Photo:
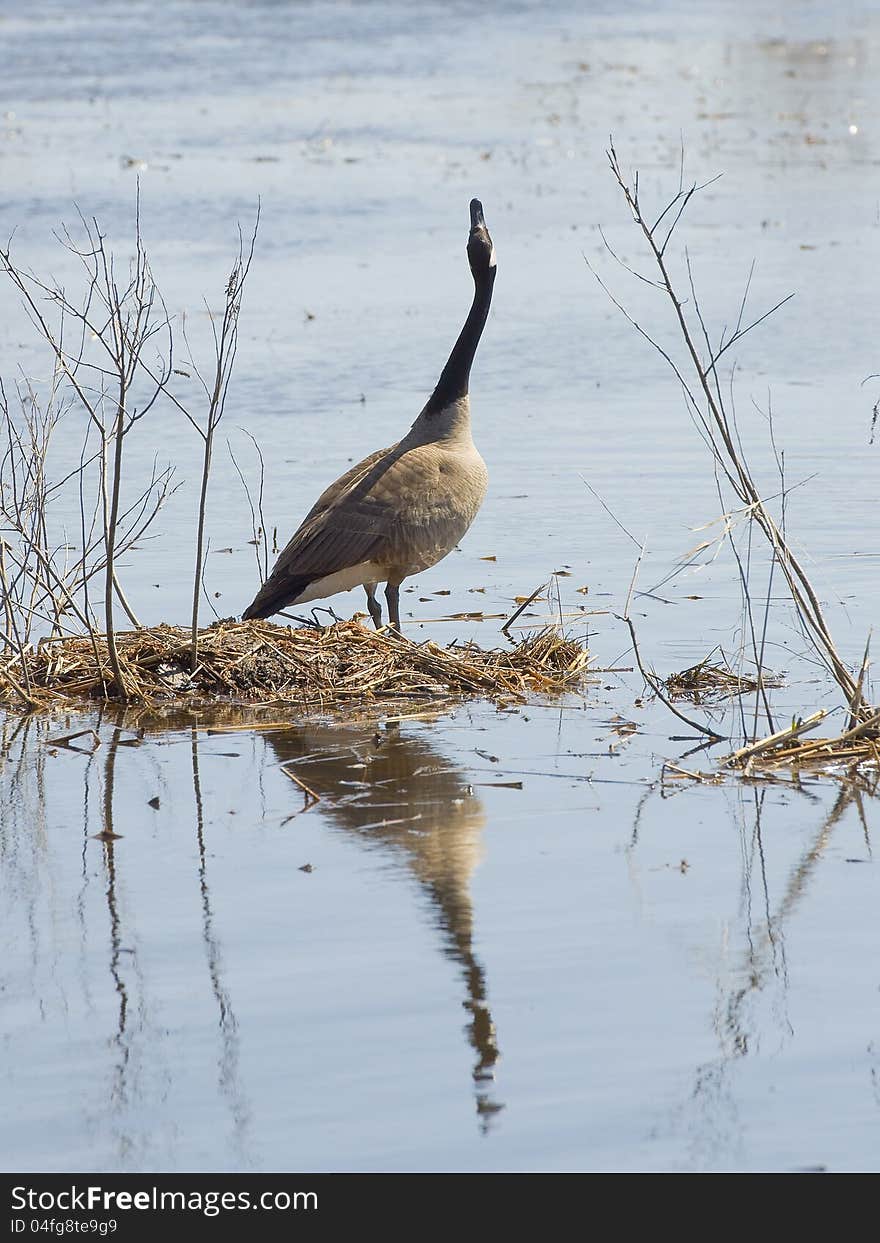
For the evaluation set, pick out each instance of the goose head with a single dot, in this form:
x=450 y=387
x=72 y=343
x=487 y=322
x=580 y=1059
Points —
x=481 y=252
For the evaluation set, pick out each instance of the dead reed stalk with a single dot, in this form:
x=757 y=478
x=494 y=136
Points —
x=225 y=347
x=700 y=380
x=99 y=343
x=112 y=344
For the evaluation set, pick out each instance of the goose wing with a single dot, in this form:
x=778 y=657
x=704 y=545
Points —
x=344 y=485
x=349 y=523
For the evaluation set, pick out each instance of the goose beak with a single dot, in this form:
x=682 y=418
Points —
x=477 y=221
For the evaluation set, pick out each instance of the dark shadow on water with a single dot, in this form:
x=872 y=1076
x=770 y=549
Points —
x=395 y=791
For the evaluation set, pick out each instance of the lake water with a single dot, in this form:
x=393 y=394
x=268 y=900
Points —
x=500 y=940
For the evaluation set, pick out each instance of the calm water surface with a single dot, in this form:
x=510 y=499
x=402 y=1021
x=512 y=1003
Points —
x=499 y=940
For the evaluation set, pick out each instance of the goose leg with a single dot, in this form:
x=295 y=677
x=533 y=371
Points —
x=392 y=595
x=373 y=605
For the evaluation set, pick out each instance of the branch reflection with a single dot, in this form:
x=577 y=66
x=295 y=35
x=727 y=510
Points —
x=229 y=1076
x=758 y=972
x=118 y=728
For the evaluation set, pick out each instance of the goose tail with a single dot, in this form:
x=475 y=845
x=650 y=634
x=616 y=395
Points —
x=273 y=597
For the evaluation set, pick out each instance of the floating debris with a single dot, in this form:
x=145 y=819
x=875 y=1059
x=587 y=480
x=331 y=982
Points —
x=855 y=748
x=69 y=740
x=707 y=683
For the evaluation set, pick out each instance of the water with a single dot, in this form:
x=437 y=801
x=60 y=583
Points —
x=606 y=968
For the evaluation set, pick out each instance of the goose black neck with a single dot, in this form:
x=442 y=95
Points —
x=453 y=382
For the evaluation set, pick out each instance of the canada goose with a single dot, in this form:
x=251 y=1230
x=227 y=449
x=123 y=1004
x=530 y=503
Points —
x=402 y=509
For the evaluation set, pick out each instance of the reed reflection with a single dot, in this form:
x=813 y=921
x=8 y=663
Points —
x=105 y=779
x=762 y=960
x=228 y=1066
x=108 y=837
x=393 y=788
x=751 y=997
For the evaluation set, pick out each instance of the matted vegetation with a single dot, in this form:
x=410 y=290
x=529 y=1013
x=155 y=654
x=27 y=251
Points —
x=710 y=683
x=257 y=661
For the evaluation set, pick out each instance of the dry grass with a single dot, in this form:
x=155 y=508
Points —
x=259 y=662
x=853 y=749
x=705 y=683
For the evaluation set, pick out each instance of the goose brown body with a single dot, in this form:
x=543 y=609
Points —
x=402 y=509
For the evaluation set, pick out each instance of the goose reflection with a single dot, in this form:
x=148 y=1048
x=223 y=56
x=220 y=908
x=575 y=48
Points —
x=394 y=788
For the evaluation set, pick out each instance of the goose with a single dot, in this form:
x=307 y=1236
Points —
x=400 y=510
